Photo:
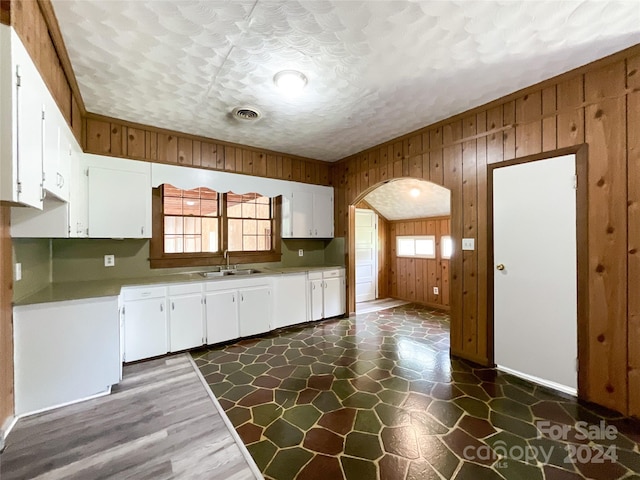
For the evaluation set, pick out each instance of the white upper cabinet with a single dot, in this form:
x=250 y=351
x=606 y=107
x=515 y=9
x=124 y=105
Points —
x=22 y=94
x=119 y=197
x=308 y=213
x=56 y=152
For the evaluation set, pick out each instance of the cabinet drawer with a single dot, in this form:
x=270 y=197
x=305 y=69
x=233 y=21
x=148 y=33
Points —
x=185 y=288
x=331 y=273
x=314 y=275
x=142 y=293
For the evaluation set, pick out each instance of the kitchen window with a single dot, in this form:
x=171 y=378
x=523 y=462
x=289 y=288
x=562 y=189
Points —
x=422 y=246
x=194 y=227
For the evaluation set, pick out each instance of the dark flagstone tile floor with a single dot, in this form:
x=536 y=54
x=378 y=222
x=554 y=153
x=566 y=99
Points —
x=376 y=396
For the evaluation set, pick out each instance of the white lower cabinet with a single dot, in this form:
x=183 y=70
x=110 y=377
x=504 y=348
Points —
x=65 y=352
x=254 y=310
x=327 y=294
x=221 y=316
x=186 y=322
x=289 y=300
x=144 y=323
x=316 y=310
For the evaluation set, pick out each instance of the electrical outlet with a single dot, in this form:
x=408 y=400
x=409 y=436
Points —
x=109 y=260
x=468 y=244
x=300 y=252
x=18 y=271
x=436 y=291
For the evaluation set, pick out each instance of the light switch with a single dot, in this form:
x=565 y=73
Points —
x=468 y=244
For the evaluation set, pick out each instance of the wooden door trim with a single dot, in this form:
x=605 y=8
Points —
x=582 y=254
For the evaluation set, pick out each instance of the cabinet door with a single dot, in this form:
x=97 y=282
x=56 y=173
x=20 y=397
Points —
x=316 y=311
x=119 y=203
x=302 y=214
x=29 y=124
x=51 y=148
x=221 y=316
x=145 y=329
x=254 y=310
x=290 y=300
x=78 y=196
x=186 y=326
x=323 y=215
x=333 y=297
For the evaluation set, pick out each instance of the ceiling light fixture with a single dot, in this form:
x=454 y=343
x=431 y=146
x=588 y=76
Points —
x=290 y=81
x=414 y=192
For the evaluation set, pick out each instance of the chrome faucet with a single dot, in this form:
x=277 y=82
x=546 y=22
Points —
x=226 y=255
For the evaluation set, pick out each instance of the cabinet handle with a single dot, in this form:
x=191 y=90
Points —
x=313 y=286
x=233 y=299
x=316 y=232
x=173 y=306
x=141 y=230
x=161 y=308
x=241 y=298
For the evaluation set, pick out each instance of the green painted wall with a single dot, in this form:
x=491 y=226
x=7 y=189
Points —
x=335 y=252
x=35 y=256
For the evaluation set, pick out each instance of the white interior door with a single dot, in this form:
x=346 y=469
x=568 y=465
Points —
x=535 y=276
x=366 y=255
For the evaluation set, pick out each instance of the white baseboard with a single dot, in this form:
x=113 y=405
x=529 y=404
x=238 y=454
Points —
x=72 y=402
x=540 y=381
x=6 y=429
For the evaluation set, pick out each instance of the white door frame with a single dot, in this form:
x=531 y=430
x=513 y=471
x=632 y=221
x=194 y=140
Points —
x=582 y=249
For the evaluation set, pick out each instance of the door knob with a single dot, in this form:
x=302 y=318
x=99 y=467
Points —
x=500 y=266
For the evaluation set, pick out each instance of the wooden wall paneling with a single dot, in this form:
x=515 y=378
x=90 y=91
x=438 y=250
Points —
x=452 y=159
x=549 y=120
x=402 y=266
x=411 y=265
x=608 y=334
x=151 y=146
x=259 y=164
x=136 y=147
x=432 y=267
x=312 y=172
x=445 y=273
x=397 y=159
x=393 y=273
x=167 y=148
x=495 y=144
x=6 y=326
x=287 y=169
x=324 y=174
x=529 y=124
x=229 y=159
x=196 y=158
x=208 y=157
x=509 y=134
x=98 y=137
x=118 y=140
x=436 y=167
x=296 y=173
x=279 y=159
x=571 y=112
x=415 y=156
x=386 y=154
x=363 y=168
x=5 y=12
x=272 y=166
x=469 y=257
x=219 y=155
x=374 y=166
x=483 y=347
x=247 y=162
x=426 y=167
x=383 y=258
x=633 y=242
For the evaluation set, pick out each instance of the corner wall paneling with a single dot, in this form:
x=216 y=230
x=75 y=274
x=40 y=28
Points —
x=6 y=323
x=413 y=279
x=118 y=138
x=598 y=104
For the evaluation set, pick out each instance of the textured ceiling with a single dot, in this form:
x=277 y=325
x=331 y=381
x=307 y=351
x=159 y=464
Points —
x=393 y=200
x=376 y=69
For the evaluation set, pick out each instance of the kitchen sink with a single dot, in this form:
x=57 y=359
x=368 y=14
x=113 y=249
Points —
x=219 y=273
x=248 y=271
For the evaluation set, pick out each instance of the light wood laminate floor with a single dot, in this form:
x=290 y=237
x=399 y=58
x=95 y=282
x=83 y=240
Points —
x=159 y=423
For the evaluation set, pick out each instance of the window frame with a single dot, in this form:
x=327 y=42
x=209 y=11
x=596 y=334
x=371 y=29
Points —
x=415 y=238
x=159 y=259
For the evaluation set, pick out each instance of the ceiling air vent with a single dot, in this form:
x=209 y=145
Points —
x=246 y=113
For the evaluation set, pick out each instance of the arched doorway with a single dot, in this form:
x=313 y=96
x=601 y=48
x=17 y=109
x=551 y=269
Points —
x=413 y=239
